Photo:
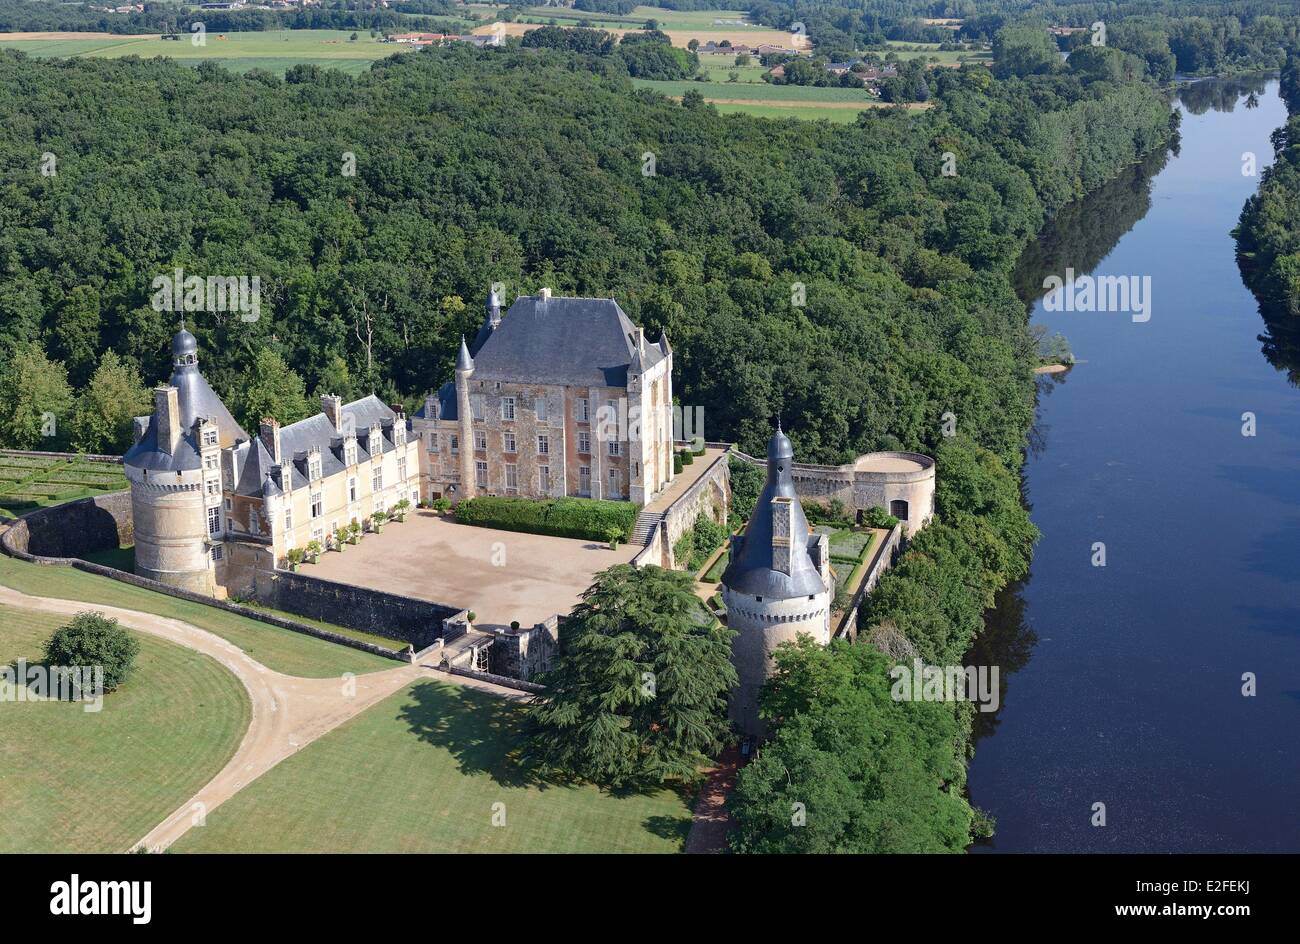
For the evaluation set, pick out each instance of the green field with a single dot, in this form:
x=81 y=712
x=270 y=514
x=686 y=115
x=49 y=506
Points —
x=78 y=781
x=274 y=50
x=422 y=771
x=31 y=482
x=280 y=649
x=762 y=92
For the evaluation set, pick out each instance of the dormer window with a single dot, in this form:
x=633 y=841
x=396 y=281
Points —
x=313 y=466
x=399 y=433
x=350 y=452
x=373 y=446
x=209 y=436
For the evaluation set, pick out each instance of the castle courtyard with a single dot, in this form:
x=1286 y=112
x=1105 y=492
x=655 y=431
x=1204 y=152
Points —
x=500 y=575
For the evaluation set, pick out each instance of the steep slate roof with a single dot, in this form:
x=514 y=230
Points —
x=194 y=399
x=583 y=342
x=750 y=570
x=253 y=461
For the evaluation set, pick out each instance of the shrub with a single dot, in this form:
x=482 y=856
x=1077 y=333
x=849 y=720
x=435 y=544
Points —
x=587 y=518
x=677 y=463
x=294 y=556
x=707 y=536
x=94 y=639
x=877 y=517
x=441 y=505
x=746 y=486
x=688 y=458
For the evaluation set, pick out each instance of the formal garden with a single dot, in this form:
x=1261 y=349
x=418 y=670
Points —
x=29 y=482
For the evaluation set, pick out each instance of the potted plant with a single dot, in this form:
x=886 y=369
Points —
x=614 y=535
x=340 y=538
x=441 y=505
x=354 y=531
x=294 y=556
x=470 y=617
x=401 y=509
x=313 y=551
x=378 y=520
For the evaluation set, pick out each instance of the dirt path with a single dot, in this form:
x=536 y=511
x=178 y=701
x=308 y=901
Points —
x=288 y=712
x=712 y=822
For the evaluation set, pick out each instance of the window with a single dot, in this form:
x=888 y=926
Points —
x=539 y=405
x=512 y=477
x=455 y=444
x=508 y=442
x=615 y=447
x=401 y=468
x=214 y=520
x=613 y=483
x=209 y=437
x=507 y=408
x=216 y=553
x=288 y=520
x=317 y=535
x=316 y=503
x=584 y=443
x=377 y=478
x=543 y=445
x=352 y=489
x=480 y=439
x=350 y=452
x=399 y=433
x=210 y=461
x=227 y=506
x=313 y=466
x=584 y=410
x=476 y=407
x=480 y=474
x=433 y=442
x=213 y=486
x=375 y=444
x=636 y=470
x=584 y=480
x=544 y=473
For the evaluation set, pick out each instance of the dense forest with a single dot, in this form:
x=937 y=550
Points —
x=1268 y=235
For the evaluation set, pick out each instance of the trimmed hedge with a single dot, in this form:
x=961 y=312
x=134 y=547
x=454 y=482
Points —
x=587 y=518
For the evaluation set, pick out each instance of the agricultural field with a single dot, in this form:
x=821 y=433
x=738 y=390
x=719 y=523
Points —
x=681 y=26
x=274 y=50
x=31 y=482
x=764 y=100
x=928 y=51
x=430 y=769
x=79 y=781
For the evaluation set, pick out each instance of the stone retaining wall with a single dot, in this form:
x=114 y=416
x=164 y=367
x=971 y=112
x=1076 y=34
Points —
x=99 y=523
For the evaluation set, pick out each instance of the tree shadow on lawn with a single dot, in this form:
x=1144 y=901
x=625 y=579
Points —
x=489 y=735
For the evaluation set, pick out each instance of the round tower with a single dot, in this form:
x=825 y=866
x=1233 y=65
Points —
x=174 y=472
x=777 y=585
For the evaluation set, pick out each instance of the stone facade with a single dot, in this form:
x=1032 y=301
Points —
x=902 y=483
x=545 y=426
x=213 y=508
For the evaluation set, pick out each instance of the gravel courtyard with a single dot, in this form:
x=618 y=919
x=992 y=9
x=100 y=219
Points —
x=500 y=575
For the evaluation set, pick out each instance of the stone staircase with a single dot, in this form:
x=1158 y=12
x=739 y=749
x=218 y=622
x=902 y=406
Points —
x=645 y=524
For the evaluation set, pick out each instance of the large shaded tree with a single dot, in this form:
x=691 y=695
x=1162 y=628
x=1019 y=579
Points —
x=638 y=691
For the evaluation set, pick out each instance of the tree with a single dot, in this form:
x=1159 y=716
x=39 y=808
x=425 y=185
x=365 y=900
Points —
x=35 y=400
x=76 y=333
x=846 y=767
x=1024 y=50
x=638 y=691
x=746 y=484
x=104 y=411
x=92 y=639
x=272 y=389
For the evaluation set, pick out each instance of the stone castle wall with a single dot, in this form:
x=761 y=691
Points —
x=98 y=523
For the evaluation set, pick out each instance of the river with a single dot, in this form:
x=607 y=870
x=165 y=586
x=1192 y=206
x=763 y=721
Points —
x=1122 y=684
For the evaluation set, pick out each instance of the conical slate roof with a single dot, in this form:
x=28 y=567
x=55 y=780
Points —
x=751 y=569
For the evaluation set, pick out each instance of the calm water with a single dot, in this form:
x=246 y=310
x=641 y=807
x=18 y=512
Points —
x=1122 y=684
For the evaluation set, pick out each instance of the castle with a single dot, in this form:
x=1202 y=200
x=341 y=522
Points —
x=560 y=396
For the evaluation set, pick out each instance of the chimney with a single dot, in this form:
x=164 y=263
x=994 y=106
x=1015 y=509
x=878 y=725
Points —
x=332 y=407
x=494 y=308
x=269 y=432
x=544 y=294
x=167 y=410
x=781 y=507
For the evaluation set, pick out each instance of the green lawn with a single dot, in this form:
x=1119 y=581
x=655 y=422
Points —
x=78 y=781
x=761 y=91
x=422 y=772
x=280 y=649
x=804 y=112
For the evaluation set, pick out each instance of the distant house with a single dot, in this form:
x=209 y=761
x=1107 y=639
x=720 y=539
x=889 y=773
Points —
x=418 y=39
